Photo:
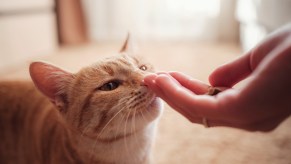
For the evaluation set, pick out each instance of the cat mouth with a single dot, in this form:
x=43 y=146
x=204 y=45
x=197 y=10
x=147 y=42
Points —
x=155 y=103
x=154 y=106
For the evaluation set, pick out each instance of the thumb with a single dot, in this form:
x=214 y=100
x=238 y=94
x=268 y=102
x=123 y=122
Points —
x=231 y=73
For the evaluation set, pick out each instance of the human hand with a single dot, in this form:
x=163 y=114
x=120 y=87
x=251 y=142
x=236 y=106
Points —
x=262 y=104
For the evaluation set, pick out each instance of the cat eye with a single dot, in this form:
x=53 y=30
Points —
x=110 y=86
x=143 y=67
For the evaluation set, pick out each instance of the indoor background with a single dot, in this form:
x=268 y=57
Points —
x=192 y=36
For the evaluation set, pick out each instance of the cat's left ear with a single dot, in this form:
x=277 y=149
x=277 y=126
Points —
x=129 y=47
x=51 y=81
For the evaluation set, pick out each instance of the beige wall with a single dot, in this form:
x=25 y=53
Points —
x=211 y=20
x=26 y=30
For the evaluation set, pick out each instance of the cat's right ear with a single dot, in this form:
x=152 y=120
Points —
x=50 y=80
x=129 y=46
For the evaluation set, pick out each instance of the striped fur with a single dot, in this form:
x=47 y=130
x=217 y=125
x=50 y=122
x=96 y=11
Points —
x=85 y=124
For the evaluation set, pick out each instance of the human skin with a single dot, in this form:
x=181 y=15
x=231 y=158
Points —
x=260 y=105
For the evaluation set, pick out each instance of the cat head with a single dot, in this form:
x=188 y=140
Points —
x=104 y=99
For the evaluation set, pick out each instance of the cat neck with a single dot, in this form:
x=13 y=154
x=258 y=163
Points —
x=129 y=149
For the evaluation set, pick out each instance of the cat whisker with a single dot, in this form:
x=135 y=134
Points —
x=108 y=123
x=134 y=123
x=119 y=126
x=117 y=131
x=143 y=116
x=132 y=120
x=104 y=129
x=125 y=129
x=149 y=114
x=123 y=108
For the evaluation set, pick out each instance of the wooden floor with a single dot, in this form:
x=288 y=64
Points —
x=179 y=141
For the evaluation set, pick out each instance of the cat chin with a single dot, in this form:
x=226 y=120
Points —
x=151 y=113
x=156 y=104
x=155 y=107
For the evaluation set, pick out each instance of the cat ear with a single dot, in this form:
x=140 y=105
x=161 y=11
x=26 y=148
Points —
x=128 y=46
x=50 y=80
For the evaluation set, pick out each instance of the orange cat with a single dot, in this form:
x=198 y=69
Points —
x=102 y=114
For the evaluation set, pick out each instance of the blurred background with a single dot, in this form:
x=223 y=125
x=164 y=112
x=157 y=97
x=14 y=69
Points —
x=192 y=36
x=38 y=27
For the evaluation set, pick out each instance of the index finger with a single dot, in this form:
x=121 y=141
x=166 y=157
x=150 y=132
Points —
x=184 y=99
x=196 y=86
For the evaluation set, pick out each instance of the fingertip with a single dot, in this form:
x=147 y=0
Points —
x=164 y=80
x=149 y=78
x=151 y=75
x=150 y=82
x=175 y=73
x=221 y=76
x=161 y=78
x=212 y=78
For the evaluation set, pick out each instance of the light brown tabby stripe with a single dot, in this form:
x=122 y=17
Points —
x=85 y=107
x=123 y=62
x=32 y=127
x=108 y=69
x=103 y=114
x=114 y=139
